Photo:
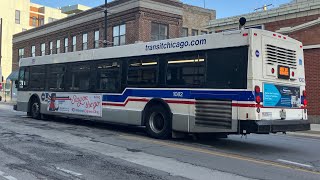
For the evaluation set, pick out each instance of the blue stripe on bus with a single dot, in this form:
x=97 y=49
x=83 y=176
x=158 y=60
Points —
x=187 y=94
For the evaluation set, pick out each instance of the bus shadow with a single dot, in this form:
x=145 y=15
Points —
x=231 y=144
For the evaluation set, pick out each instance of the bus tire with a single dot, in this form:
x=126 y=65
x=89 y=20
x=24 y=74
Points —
x=35 y=108
x=158 y=122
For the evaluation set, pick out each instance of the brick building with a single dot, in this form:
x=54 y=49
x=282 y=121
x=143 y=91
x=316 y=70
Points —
x=129 y=21
x=299 y=19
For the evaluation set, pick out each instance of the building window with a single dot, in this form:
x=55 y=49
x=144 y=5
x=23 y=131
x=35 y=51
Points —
x=74 y=43
x=34 y=21
x=96 y=39
x=51 y=47
x=17 y=17
x=119 y=35
x=85 y=41
x=185 y=32
x=66 y=44
x=194 y=32
x=58 y=46
x=21 y=53
x=50 y=19
x=159 y=31
x=33 y=51
x=43 y=49
x=204 y=32
x=41 y=21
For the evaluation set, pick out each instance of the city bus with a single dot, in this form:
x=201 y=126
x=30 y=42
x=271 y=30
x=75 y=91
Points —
x=238 y=82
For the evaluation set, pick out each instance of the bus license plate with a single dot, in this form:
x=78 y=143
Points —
x=283 y=114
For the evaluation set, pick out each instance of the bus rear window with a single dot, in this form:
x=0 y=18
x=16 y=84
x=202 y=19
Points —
x=227 y=68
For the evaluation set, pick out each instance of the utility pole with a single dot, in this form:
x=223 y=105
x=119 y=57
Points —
x=106 y=24
x=1 y=77
x=0 y=43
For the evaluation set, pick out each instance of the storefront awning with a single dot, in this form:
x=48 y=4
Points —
x=13 y=76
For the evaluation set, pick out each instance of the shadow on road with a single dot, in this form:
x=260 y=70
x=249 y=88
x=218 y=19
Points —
x=233 y=144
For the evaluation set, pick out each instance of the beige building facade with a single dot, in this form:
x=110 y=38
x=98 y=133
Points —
x=18 y=16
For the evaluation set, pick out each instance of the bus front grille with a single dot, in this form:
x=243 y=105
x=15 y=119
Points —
x=214 y=113
x=281 y=56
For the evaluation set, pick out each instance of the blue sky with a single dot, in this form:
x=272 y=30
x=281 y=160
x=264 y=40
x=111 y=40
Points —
x=225 y=8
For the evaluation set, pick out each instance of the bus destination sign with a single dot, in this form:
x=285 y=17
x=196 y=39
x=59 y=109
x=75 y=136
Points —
x=283 y=72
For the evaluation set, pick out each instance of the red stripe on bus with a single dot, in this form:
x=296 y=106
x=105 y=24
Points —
x=260 y=106
x=146 y=100
x=180 y=102
x=190 y=103
x=126 y=102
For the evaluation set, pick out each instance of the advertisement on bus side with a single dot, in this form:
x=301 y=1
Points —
x=79 y=104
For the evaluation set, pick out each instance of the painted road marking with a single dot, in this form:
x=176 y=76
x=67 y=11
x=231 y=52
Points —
x=69 y=172
x=2 y=174
x=221 y=154
x=295 y=163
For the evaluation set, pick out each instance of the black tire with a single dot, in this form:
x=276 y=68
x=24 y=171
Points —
x=35 y=109
x=158 y=122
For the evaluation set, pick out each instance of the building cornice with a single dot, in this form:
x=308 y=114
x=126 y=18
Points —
x=97 y=13
x=317 y=46
x=282 y=13
x=287 y=30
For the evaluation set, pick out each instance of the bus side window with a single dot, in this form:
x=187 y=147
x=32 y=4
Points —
x=37 y=77
x=55 y=77
x=186 y=71
x=109 y=79
x=143 y=72
x=227 y=68
x=79 y=77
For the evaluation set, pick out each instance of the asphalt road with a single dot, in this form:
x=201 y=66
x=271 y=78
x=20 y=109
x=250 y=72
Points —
x=77 y=149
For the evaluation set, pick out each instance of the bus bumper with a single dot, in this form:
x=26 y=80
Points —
x=273 y=126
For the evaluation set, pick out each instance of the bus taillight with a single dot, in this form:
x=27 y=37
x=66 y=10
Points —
x=272 y=71
x=258 y=99
x=257 y=91
x=304 y=93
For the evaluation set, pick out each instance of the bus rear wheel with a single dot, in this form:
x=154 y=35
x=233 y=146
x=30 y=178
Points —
x=35 y=109
x=158 y=122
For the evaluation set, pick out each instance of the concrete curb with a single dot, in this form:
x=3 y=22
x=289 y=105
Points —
x=7 y=103
x=303 y=134
x=315 y=127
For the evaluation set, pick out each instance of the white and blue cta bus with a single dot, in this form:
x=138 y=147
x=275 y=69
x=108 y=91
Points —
x=240 y=82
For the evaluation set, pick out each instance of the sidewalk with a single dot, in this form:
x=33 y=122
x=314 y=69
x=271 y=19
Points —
x=8 y=103
x=314 y=132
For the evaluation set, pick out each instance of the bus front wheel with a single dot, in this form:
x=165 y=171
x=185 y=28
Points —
x=35 y=109
x=158 y=122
